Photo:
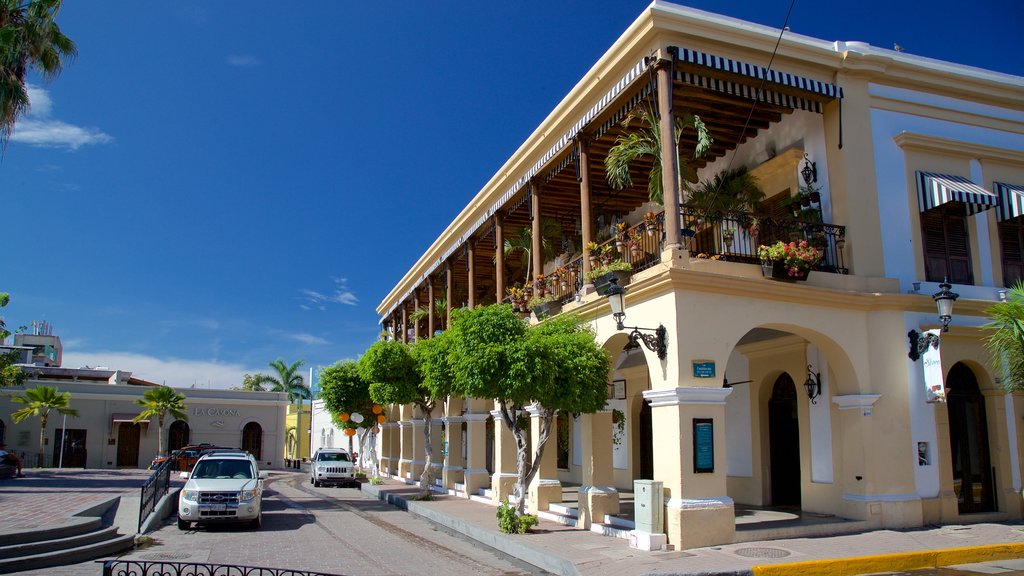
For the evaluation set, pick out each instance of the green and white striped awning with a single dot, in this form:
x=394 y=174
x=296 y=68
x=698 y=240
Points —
x=1011 y=201
x=935 y=189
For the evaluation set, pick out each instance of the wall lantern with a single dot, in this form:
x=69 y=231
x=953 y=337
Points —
x=813 y=384
x=809 y=171
x=655 y=342
x=944 y=300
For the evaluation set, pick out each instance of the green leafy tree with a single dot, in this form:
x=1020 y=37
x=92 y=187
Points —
x=249 y=383
x=29 y=39
x=5 y=299
x=644 y=142
x=10 y=376
x=287 y=380
x=557 y=365
x=157 y=403
x=409 y=374
x=343 y=390
x=39 y=401
x=1006 y=339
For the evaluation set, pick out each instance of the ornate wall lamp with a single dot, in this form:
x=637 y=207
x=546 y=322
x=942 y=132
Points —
x=809 y=171
x=813 y=384
x=944 y=300
x=655 y=342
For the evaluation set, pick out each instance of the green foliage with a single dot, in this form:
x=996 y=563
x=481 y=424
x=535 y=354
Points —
x=11 y=377
x=390 y=369
x=288 y=380
x=5 y=298
x=510 y=524
x=619 y=420
x=432 y=356
x=522 y=243
x=376 y=480
x=486 y=354
x=156 y=403
x=343 y=390
x=729 y=192
x=249 y=383
x=1005 y=341
x=39 y=401
x=30 y=39
x=617 y=265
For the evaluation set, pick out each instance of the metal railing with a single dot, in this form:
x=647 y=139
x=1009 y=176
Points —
x=147 y=568
x=154 y=488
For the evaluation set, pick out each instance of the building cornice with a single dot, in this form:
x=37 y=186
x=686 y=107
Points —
x=935 y=144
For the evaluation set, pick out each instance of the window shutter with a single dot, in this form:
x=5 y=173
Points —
x=1011 y=244
x=947 y=254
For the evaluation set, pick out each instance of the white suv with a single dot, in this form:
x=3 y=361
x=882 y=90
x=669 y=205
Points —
x=331 y=466
x=223 y=487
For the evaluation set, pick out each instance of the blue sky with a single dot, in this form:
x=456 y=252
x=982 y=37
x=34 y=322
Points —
x=213 y=185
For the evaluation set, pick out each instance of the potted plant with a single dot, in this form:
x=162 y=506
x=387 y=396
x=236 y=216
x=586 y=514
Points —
x=620 y=236
x=601 y=276
x=518 y=297
x=791 y=262
x=592 y=253
x=561 y=275
x=633 y=242
x=545 y=306
x=651 y=223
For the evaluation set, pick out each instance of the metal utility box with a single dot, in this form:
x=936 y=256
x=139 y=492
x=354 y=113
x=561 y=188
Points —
x=649 y=496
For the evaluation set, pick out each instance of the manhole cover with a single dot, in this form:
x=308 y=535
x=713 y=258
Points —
x=761 y=552
x=167 y=556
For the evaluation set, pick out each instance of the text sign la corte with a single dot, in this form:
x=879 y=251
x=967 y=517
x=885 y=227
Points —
x=215 y=411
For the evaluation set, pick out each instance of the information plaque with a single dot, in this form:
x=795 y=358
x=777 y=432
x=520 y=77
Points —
x=703 y=445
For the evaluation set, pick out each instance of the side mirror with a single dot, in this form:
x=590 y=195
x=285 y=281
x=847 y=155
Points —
x=183 y=475
x=264 y=475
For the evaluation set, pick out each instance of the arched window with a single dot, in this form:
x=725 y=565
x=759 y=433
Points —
x=178 y=435
x=252 y=440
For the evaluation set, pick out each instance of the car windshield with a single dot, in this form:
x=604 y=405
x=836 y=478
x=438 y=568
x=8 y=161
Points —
x=332 y=457
x=223 y=469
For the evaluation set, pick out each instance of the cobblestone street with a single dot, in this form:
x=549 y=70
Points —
x=334 y=530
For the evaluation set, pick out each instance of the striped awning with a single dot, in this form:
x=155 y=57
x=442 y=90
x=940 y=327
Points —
x=1011 y=201
x=761 y=84
x=934 y=190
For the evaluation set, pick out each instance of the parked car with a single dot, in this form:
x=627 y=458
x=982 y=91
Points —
x=332 y=466
x=223 y=487
x=184 y=458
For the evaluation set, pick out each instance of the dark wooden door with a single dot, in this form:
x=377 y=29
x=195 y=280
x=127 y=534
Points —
x=968 y=442
x=646 y=434
x=784 y=443
x=128 y=444
x=74 y=452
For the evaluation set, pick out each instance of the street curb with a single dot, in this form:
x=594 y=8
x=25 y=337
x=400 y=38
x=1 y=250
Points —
x=167 y=505
x=893 y=562
x=491 y=538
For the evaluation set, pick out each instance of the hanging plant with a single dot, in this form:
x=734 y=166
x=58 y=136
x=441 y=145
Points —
x=619 y=432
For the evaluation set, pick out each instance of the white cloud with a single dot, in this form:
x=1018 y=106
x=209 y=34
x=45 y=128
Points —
x=307 y=339
x=243 y=61
x=340 y=295
x=177 y=372
x=37 y=128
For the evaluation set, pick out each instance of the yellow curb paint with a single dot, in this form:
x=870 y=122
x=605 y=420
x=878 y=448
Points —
x=893 y=562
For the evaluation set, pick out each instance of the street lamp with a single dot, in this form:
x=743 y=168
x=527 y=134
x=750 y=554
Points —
x=655 y=342
x=810 y=171
x=944 y=300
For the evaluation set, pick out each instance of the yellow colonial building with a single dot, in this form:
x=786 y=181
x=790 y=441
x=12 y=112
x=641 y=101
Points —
x=774 y=388
x=296 y=436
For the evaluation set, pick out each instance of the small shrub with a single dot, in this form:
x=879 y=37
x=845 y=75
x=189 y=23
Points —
x=376 y=480
x=509 y=524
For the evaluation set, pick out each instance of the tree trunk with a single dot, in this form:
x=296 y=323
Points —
x=428 y=452
x=375 y=466
x=42 y=437
x=298 y=433
x=526 y=471
x=160 y=435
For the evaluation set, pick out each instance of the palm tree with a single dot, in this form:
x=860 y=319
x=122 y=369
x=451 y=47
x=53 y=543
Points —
x=728 y=193
x=29 y=39
x=290 y=381
x=39 y=401
x=550 y=236
x=1006 y=341
x=157 y=402
x=290 y=436
x=645 y=141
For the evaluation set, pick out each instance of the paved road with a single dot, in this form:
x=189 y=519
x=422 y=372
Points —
x=335 y=530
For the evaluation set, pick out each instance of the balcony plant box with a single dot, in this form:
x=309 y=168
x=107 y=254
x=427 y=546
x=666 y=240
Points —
x=789 y=262
x=547 y=309
x=776 y=270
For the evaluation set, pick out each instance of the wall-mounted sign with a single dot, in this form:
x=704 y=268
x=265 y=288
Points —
x=703 y=445
x=215 y=412
x=703 y=369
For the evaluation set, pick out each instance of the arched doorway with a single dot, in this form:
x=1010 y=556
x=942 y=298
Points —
x=128 y=444
x=646 y=439
x=784 y=443
x=252 y=440
x=178 y=435
x=968 y=442
x=489 y=445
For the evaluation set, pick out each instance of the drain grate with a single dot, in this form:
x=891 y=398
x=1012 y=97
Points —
x=167 y=556
x=761 y=552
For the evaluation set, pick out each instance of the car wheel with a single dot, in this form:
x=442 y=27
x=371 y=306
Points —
x=183 y=524
x=257 y=522
x=316 y=484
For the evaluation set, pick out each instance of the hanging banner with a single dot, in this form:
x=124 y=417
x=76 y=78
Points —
x=935 y=388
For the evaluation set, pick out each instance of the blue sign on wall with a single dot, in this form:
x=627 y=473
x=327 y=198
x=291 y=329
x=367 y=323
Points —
x=703 y=369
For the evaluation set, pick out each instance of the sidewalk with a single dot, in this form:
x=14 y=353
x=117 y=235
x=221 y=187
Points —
x=571 y=551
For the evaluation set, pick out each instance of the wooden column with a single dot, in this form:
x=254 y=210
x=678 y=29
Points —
x=585 y=217
x=499 y=260
x=669 y=156
x=405 y=322
x=538 y=253
x=471 y=269
x=448 y=282
x=430 y=307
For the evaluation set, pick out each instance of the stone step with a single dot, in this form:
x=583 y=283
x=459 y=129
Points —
x=610 y=530
x=66 y=556
x=40 y=546
x=564 y=519
x=620 y=523
x=564 y=509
